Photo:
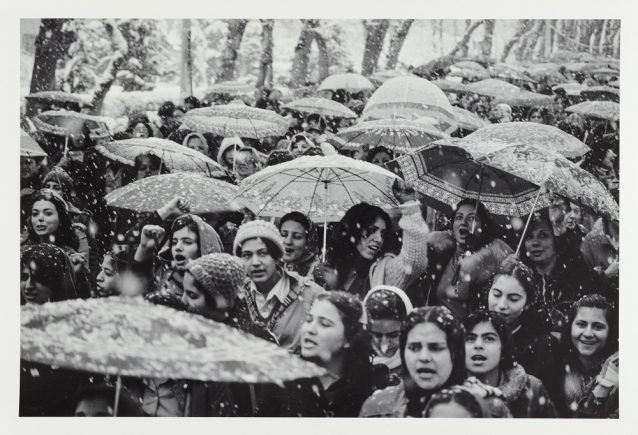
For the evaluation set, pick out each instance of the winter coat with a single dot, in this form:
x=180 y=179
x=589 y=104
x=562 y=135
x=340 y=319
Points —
x=475 y=274
x=534 y=344
x=592 y=407
x=305 y=267
x=525 y=395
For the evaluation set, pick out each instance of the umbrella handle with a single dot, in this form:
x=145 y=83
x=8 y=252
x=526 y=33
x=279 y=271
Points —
x=66 y=144
x=529 y=218
x=118 y=390
x=478 y=198
x=325 y=222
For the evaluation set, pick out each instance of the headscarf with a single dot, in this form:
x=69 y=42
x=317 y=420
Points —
x=52 y=268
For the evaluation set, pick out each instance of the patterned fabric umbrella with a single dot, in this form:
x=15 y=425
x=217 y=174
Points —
x=29 y=147
x=544 y=137
x=468 y=120
x=597 y=109
x=59 y=97
x=469 y=64
x=320 y=106
x=323 y=188
x=131 y=337
x=525 y=98
x=601 y=93
x=206 y=195
x=236 y=119
x=383 y=76
x=509 y=72
x=399 y=135
x=351 y=82
x=493 y=88
x=469 y=74
x=451 y=86
x=410 y=97
x=175 y=157
x=74 y=124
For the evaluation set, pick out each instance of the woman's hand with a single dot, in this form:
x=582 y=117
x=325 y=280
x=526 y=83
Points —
x=481 y=389
x=403 y=192
x=151 y=236
x=77 y=260
x=174 y=208
x=608 y=376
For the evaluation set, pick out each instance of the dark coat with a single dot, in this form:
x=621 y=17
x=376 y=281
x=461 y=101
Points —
x=525 y=395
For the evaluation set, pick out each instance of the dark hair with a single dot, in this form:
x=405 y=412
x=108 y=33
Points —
x=154 y=160
x=377 y=150
x=313 y=151
x=454 y=333
x=461 y=397
x=384 y=304
x=318 y=118
x=497 y=321
x=52 y=269
x=166 y=110
x=487 y=232
x=179 y=135
x=512 y=266
x=192 y=101
x=311 y=231
x=65 y=235
x=135 y=122
x=127 y=406
x=279 y=156
x=185 y=221
x=271 y=247
x=533 y=110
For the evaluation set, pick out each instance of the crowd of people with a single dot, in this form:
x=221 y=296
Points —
x=408 y=318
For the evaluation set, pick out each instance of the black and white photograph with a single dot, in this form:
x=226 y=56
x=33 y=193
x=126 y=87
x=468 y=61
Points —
x=319 y=217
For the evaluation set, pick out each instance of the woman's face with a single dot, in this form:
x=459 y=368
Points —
x=107 y=279
x=294 y=235
x=245 y=164
x=590 y=331
x=322 y=334
x=28 y=167
x=536 y=117
x=44 y=218
x=140 y=131
x=196 y=303
x=146 y=168
x=372 y=239
x=33 y=292
x=507 y=296
x=195 y=143
x=385 y=335
x=178 y=114
x=381 y=158
x=184 y=247
x=427 y=356
x=482 y=349
x=259 y=264
x=610 y=156
x=94 y=407
x=540 y=244
x=299 y=147
x=229 y=156
x=462 y=225
x=449 y=410
x=53 y=185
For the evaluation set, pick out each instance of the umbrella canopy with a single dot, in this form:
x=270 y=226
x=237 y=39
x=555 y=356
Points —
x=601 y=93
x=233 y=88
x=596 y=109
x=29 y=147
x=604 y=71
x=509 y=72
x=451 y=86
x=469 y=64
x=615 y=83
x=320 y=106
x=206 y=195
x=176 y=157
x=132 y=337
x=544 y=137
x=351 y=82
x=59 y=97
x=236 y=119
x=398 y=135
x=74 y=124
x=381 y=77
x=469 y=74
x=323 y=188
x=437 y=66
x=494 y=88
x=573 y=89
x=410 y=97
x=468 y=120
x=525 y=98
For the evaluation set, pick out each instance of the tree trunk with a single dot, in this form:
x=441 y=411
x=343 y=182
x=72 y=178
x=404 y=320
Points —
x=526 y=49
x=547 y=39
x=603 y=36
x=302 y=51
x=51 y=44
x=396 y=43
x=265 y=64
x=375 y=34
x=579 y=35
x=186 y=73
x=538 y=42
x=323 y=61
x=462 y=45
x=235 y=34
x=120 y=51
x=486 y=43
x=616 y=43
x=558 y=35
x=522 y=28
x=592 y=37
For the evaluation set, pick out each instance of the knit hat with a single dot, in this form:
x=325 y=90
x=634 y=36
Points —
x=259 y=229
x=61 y=177
x=221 y=275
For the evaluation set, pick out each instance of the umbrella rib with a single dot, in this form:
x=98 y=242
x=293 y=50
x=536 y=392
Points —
x=312 y=197
x=344 y=186
x=282 y=188
x=363 y=179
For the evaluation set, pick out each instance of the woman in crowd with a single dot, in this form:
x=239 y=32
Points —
x=300 y=243
x=299 y=143
x=147 y=165
x=140 y=130
x=535 y=114
x=380 y=155
x=489 y=357
x=197 y=142
x=456 y=402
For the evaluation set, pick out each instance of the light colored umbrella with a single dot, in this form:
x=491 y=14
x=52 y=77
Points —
x=493 y=88
x=469 y=64
x=236 y=119
x=60 y=97
x=232 y=88
x=29 y=147
x=451 y=86
x=351 y=82
x=323 y=188
x=545 y=137
x=398 y=135
x=73 y=126
x=206 y=195
x=175 y=157
x=384 y=75
x=132 y=337
x=410 y=97
x=525 y=98
x=468 y=120
x=320 y=106
x=469 y=74
x=597 y=109
x=509 y=72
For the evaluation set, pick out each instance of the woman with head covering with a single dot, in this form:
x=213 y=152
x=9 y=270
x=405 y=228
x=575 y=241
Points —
x=197 y=142
x=300 y=243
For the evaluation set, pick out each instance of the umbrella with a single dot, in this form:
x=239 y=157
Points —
x=494 y=88
x=601 y=93
x=468 y=120
x=320 y=106
x=451 y=86
x=399 y=135
x=73 y=125
x=206 y=195
x=615 y=83
x=60 y=97
x=605 y=71
x=132 y=337
x=381 y=77
x=236 y=119
x=597 y=109
x=573 y=89
x=323 y=188
x=29 y=147
x=351 y=82
x=469 y=74
x=469 y=64
x=435 y=67
x=175 y=157
x=525 y=98
x=410 y=97
x=231 y=88
x=509 y=72
x=545 y=137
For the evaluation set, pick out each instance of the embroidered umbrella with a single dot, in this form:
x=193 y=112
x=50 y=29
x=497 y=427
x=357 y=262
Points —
x=75 y=127
x=382 y=76
x=597 y=109
x=451 y=86
x=232 y=88
x=29 y=147
x=510 y=72
x=469 y=64
x=468 y=120
x=525 y=98
x=351 y=82
x=601 y=93
x=59 y=97
x=320 y=106
x=494 y=88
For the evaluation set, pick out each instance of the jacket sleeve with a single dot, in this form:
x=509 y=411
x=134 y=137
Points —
x=411 y=262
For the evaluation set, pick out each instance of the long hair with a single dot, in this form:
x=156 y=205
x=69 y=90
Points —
x=507 y=360
x=65 y=235
x=462 y=397
x=51 y=267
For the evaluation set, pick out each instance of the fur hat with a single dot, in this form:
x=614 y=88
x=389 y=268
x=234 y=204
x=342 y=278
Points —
x=220 y=275
x=259 y=229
